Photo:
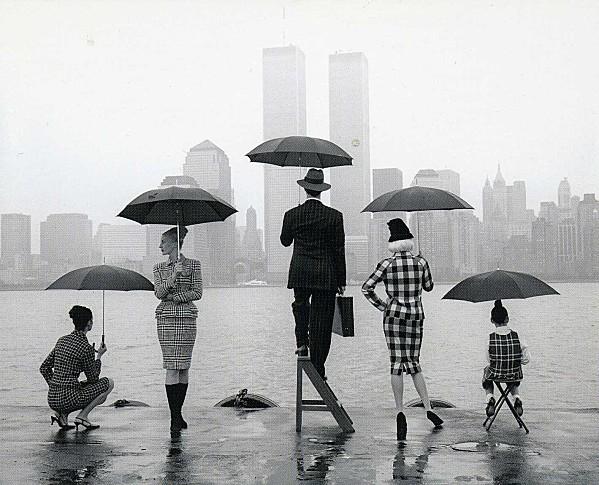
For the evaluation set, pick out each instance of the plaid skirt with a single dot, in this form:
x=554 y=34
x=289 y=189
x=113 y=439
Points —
x=176 y=336
x=66 y=399
x=404 y=338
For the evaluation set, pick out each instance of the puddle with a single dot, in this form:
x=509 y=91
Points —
x=486 y=446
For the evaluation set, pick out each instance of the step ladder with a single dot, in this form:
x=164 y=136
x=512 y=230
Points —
x=329 y=401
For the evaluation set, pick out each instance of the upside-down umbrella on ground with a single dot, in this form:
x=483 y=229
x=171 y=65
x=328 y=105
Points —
x=183 y=206
x=102 y=277
x=417 y=198
x=499 y=285
x=300 y=151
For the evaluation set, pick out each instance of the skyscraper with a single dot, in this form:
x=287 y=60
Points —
x=588 y=223
x=349 y=128
x=15 y=240
x=436 y=231
x=504 y=216
x=214 y=243
x=383 y=180
x=66 y=242
x=284 y=114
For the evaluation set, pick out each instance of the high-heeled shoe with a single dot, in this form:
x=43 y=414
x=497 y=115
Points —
x=402 y=426
x=85 y=423
x=436 y=420
x=62 y=424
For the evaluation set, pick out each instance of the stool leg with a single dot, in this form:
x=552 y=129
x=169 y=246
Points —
x=502 y=398
x=298 y=398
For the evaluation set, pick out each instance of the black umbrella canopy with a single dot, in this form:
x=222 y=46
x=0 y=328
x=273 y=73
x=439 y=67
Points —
x=417 y=198
x=102 y=277
x=300 y=151
x=499 y=285
x=184 y=206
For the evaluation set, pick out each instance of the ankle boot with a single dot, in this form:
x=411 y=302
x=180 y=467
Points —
x=402 y=426
x=181 y=393
x=171 y=395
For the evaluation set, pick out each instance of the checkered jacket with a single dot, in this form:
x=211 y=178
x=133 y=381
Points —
x=318 y=260
x=71 y=356
x=505 y=355
x=405 y=276
x=187 y=287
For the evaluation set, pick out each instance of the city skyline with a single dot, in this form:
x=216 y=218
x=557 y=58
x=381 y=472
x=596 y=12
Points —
x=560 y=238
x=105 y=96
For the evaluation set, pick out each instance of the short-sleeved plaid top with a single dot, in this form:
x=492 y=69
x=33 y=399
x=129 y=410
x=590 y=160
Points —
x=187 y=287
x=405 y=276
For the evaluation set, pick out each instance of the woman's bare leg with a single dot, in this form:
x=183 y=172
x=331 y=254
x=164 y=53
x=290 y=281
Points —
x=184 y=376
x=97 y=401
x=172 y=377
x=420 y=385
x=397 y=386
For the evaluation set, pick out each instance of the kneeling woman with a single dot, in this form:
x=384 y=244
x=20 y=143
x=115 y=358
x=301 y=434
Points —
x=405 y=276
x=71 y=356
x=177 y=283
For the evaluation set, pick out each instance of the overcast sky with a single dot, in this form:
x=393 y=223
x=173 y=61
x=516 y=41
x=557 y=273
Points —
x=99 y=100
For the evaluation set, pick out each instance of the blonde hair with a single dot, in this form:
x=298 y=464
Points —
x=172 y=233
x=401 y=245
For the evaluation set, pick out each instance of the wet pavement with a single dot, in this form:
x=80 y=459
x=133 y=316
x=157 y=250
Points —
x=224 y=445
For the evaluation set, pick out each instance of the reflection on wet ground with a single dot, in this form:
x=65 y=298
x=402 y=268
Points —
x=315 y=457
x=134 y=446
x=72 y=458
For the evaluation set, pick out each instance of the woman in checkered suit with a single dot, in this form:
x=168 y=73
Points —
x=177 y=283
x=71 y=356
x=405 y=276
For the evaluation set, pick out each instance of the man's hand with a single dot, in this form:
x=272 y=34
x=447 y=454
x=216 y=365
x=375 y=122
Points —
x=340 y=290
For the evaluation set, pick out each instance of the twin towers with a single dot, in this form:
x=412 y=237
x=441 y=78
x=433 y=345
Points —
x=284 y=114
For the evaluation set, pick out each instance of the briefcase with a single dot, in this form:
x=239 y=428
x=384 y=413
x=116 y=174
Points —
x=343 y=320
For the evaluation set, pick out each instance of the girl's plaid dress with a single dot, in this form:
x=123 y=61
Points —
x=71 y=356
x=405 y=276
x=176 y=318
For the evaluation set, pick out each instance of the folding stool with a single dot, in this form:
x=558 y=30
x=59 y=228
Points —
x=504 y=397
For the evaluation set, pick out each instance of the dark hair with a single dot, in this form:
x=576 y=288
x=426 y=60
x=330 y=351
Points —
x=499 y=312
x=312 y=193
x=81 y=316
x=172 y=233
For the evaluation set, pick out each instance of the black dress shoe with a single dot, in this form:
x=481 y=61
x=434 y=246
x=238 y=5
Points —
x=402 y=427
x=518 y=407
x=436 y=420
x=490 y=409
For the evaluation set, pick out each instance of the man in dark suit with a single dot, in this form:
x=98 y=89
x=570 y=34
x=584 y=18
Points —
x=317 y=269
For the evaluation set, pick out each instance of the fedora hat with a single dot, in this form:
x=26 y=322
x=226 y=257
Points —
x=314 y=180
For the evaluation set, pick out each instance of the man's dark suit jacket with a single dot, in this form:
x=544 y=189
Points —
x=318 y=260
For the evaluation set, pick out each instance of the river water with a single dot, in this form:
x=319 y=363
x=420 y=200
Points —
x=246 y=340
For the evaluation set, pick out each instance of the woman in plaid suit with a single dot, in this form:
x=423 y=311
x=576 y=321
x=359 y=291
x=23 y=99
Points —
x=71 y=356
x=405 y=276
x=177 y=283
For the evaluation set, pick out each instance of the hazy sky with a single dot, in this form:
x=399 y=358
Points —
x=100 y=100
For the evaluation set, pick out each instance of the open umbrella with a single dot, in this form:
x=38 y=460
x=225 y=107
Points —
x=183 y=206
x=102 y=277
x=417 y=198
x=300 y=151
x=499 y=285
